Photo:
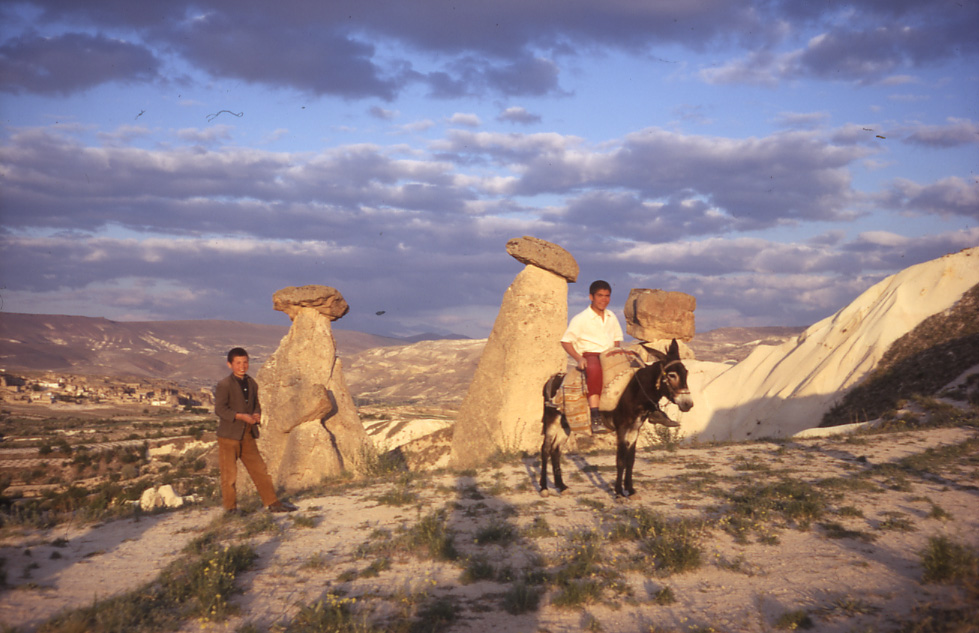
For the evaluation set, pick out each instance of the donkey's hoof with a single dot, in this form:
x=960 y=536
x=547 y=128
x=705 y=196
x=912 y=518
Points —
x=561 y=490
x=545 y=492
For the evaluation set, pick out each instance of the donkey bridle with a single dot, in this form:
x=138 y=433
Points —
x=659 y=384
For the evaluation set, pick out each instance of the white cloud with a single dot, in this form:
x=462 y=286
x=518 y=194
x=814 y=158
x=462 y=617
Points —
x=468 y=120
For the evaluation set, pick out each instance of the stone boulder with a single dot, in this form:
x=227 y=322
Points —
x=162 y=497
x=536 y=252
x=652 y=315
x=324 y=299
x=310 y=427
x=502 y=408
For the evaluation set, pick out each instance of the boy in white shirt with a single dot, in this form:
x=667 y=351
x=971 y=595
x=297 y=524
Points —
x=592 y=331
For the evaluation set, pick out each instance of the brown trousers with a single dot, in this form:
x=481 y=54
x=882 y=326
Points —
x=229 y=452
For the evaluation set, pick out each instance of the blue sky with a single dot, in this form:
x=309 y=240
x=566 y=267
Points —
x=185 y=160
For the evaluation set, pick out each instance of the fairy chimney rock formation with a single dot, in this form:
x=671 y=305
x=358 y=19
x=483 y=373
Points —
x=310 y=427
x=502 y=409
x=537 y=252
x=653 y=315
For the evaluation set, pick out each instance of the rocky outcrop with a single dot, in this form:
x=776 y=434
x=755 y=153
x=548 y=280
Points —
x=310 y=427
x=536 y=252
x=652 y=315
x=502 y=408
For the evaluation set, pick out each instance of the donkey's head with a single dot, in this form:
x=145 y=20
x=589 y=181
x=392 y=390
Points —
x=672 y=380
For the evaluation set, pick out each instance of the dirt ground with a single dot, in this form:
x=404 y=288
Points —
x=855 y=568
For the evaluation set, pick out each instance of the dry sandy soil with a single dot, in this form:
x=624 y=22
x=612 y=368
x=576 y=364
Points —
x=855 y=568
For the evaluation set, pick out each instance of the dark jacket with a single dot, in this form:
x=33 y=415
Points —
x=229 y=400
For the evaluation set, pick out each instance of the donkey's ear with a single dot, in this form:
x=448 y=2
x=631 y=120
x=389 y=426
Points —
x=674 y=351
x=655 y=353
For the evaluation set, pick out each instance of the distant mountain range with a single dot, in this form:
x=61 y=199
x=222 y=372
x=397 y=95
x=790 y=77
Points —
x=188 y=352
x=193 y=352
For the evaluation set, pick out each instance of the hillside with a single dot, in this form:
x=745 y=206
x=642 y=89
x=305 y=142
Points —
x=778 y=391
x=433 y=373
x=379 y=369
x=920 y=363
x=188 y=352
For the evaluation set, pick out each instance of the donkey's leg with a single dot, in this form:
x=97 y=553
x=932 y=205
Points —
x=545 y=450
x=550 y=448
x=620 y=457
x=561 y=437
x=630 y=461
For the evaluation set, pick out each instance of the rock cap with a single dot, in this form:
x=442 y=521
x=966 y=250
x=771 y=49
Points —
x=326 y=300
x=543 y=254
x=652 y=315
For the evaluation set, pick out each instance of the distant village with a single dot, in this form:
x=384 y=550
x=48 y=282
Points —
x=52 y=388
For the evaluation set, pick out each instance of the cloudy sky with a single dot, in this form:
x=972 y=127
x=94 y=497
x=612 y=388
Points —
x=186 y=159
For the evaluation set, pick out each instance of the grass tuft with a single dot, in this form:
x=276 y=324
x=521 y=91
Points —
x=944 y=560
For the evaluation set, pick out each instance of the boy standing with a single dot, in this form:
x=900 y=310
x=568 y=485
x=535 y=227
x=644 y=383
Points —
x=239 y=413
x=591 y=332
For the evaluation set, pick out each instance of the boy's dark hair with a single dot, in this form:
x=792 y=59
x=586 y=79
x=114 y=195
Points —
x=236 y=352
x=597 y=285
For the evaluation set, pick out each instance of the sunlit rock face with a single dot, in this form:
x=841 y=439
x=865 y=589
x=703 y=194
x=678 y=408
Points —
x=502 y=409
x=310 y=426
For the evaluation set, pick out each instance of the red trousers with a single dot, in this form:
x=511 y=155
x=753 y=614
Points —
x=229 y=452
x=593 y=373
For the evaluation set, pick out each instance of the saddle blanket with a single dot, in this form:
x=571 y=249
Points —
x=571 y=399
x=618 y=367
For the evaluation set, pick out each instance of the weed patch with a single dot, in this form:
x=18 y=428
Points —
x=944 y=560
x=521 y=598
x=754 y=506
x=199 y=586
x=332 y=614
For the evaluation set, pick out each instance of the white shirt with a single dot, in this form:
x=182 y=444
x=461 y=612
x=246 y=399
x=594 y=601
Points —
x=589 y=332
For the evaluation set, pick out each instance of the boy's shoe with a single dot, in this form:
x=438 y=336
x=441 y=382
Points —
x=658 y=417
x=282 y=506
x=597 y=425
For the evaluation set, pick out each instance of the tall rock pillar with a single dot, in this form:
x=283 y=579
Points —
x=502 y=409
x=310 y=426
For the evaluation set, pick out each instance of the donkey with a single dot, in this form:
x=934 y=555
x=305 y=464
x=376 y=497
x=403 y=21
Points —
x=663 y=378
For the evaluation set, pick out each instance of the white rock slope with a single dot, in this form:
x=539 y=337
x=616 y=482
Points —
x=779 y=391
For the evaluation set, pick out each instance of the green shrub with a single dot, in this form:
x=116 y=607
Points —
x=944 y=560
x=521 y=598
x=332 y=614
x=435 y=616
x=432 y=536
x=793 y=620
x=499 y=532
x=477 y=568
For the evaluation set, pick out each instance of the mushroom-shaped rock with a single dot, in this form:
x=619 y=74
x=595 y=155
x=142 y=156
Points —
x=324 y=299
x=550 y=257
x=652 y=315
x=310 y=428
x=502 y=409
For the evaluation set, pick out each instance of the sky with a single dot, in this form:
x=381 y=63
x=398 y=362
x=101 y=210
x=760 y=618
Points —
x=186 y=159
